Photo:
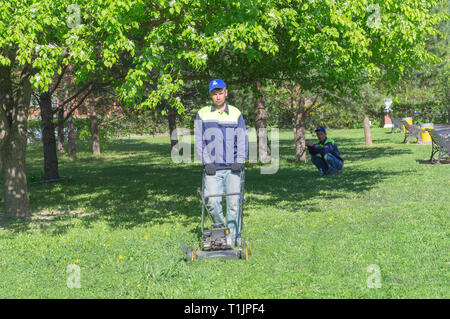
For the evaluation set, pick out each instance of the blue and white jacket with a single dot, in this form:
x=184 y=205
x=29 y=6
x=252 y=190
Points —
x=221 y=137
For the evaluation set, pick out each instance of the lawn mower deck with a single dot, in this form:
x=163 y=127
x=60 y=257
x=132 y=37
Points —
x=217 y=241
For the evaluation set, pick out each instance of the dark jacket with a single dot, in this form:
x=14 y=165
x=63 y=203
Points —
x=328 y=146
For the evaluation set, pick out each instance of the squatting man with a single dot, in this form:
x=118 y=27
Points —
x=325 y=154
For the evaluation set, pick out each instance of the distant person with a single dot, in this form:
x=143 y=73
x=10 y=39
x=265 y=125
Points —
x=325 y=155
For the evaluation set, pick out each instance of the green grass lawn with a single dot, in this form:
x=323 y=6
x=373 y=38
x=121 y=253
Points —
x=123 y=216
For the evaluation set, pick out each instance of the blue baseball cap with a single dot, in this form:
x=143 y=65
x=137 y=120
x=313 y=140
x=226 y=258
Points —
x=321 y=129
x=216 y=84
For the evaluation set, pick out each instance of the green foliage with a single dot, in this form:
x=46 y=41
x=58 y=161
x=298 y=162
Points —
x=34 y=129
x=144 y=123
x=348 y=117
x=327 y=46
x=437 y=112
x=425 y=94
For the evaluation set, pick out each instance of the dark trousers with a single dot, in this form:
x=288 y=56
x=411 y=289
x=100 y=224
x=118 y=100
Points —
x=328 y=165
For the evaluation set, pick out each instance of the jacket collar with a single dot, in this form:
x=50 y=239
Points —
x=327 y=140
x=213 y=108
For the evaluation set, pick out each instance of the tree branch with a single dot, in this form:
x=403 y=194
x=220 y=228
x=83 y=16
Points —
x=59 y=80
x=61 y=105
x=112 y=121
x=73 y=109
x=313 y=108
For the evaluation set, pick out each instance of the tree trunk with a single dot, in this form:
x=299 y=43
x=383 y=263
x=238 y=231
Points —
x=13 y=143
x=61 y=149
x=94 y=128
x=71 y=138
x=48 y=137
x=172 y=116
x=300 y=125
x=261 y=125
x=15 y=191
x=367 y=134
x=300 y=137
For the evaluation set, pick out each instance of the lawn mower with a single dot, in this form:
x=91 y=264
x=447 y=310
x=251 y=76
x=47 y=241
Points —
x=217 y=242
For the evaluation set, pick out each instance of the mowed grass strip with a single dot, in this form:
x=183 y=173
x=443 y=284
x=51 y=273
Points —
x=122 y=217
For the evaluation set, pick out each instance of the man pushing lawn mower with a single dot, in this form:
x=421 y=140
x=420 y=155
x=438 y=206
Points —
x=221 y=142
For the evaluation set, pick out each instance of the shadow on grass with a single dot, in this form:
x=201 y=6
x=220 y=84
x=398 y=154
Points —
x=350 y=150
x=138 y=190
x=434 y=162
x=293 y=189
x=370 y=152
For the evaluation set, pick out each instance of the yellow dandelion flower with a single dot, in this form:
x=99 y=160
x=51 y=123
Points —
x=120 y=257
x=146 y=238
x=167 y=233
x=76 y=261
x=330 y=219
x=139 y=285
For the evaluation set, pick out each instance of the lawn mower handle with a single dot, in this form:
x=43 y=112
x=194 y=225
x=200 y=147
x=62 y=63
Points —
x=225 y=168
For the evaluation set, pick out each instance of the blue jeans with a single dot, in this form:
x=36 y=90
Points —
x=328 y=165
x=225 y=181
